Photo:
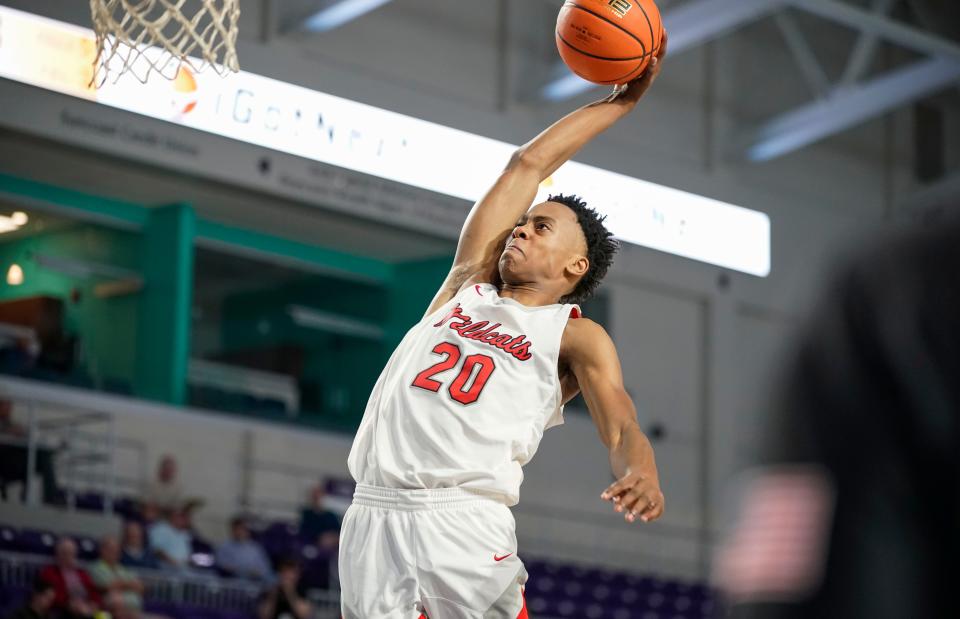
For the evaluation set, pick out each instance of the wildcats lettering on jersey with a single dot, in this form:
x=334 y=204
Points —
x=486 y=333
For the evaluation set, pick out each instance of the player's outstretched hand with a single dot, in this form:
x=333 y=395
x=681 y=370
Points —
x=632 y=92
x=636 y=495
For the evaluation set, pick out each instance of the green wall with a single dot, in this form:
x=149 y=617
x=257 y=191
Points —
x=107 y=327
x=339 y=368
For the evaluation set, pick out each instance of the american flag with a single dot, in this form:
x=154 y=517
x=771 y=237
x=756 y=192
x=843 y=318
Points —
x=778 y=546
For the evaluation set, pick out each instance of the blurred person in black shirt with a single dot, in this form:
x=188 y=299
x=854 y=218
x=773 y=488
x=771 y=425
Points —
x=854 y=510
x=287 y=599
x=40 y=603
x=133 y=550
x=319 y=525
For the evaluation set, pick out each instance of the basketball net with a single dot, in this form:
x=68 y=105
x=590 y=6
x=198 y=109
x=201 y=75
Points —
x=143 y=36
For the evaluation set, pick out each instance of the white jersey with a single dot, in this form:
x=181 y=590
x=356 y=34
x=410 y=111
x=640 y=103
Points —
x=465 y=397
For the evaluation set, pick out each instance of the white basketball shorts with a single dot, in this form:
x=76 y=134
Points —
x=438 y=554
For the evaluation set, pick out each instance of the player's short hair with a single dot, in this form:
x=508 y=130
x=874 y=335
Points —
x=601 y=246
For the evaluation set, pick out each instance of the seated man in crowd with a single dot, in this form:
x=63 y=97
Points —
x=286 y=599
x=241 y=556
x=165 y=492
x=170 y=540
x=319 y=525
x=40 y=603
x=75 y=594
x=134 y=553
x=120 y=588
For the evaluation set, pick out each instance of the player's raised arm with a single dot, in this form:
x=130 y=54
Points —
x=493 y=217
x=592 y=357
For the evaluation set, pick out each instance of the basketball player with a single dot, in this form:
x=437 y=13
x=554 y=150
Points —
x=464 y=400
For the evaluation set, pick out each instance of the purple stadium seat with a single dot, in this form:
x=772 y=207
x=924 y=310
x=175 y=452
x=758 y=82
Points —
x=572 y=589
x=281 y=539
x=552 y=569
x=558 y=590
x=340 y=488
x=655 y=600
x=601 y=593
x=12 y=597
x=9 y=538
x=597 y=611
x=36 y=542
x=622 y=612
x=568 y=608
x=89 y=501
x=86 y=547
x=281 y=530
x=543 y=584
x=606 y=576
x=316 y=571
x=126 y=508
x=537 y=604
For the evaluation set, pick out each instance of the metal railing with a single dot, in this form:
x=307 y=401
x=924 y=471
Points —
x=195 y=589
x=85 y=447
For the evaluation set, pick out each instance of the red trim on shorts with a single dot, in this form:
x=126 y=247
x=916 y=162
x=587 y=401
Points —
x=523 y=610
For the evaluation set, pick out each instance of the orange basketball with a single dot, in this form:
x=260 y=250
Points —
x=609 y=41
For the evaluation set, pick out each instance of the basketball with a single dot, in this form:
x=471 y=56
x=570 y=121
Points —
x=609 y=41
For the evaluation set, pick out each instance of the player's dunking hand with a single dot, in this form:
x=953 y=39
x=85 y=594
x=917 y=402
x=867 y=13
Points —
x=636 y=495
x=632 y=92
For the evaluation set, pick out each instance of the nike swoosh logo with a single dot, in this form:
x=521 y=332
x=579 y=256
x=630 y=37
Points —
x=496 y=558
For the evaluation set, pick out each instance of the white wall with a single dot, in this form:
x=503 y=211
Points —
x=214 y=451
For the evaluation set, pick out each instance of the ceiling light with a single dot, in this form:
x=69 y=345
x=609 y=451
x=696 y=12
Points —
x=14 y=275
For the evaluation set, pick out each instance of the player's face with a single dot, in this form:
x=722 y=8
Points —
x=546 y=245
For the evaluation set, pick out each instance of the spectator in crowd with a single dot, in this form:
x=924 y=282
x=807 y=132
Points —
x=170 y=540
x=149 y=514
x=19 y=356
x=319 y=525
x=165 y=492
x=134 y=553
x=40 y=603
x=13 y=458
x=75 y=593
x=120 y=588
x=241 y=556
x=287 y=598
x=853 y=510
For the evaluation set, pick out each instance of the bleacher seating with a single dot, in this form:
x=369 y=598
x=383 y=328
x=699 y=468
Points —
x=554 y=590
x=183 y=596
x=557 y=590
